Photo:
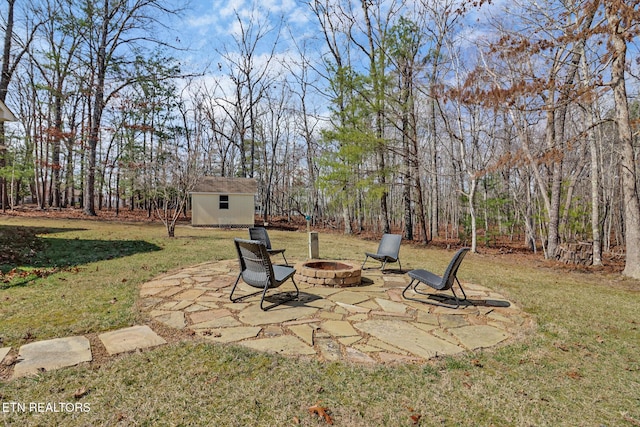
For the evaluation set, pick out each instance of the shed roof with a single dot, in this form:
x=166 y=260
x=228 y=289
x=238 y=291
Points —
x=217 y=184
x=5 y=114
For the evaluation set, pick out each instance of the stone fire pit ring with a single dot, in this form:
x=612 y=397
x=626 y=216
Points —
x=337 y=274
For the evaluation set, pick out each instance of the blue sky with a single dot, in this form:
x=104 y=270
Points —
x=210 y=25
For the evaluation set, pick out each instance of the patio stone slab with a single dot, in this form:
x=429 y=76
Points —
x=406 y=336
x=480 y=336
x=353 y=308
x=349 y=297
x=359 y=357
x=339 y=328
x=52 y=354
x=285 y=344
x=329 y=349
x=253 y=315
x=221 y=322
x=129 y=339
x=233 y=334
x=174 y=319
x=207 y=315
x=190 y=294
x=304 y=332
x=391 y=306
x=3 y=353
x=451 y=321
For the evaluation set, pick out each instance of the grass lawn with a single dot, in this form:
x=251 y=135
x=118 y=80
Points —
x=580 y=366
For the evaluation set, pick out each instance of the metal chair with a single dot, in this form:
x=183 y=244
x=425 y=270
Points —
x=388 y=251
x=260 y=233
x=438 y=283
x=256 y=270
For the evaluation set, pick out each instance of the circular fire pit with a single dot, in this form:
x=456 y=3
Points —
x=337 y=274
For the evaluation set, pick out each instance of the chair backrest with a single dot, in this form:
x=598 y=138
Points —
x=260 y=233
x=255 y=263
x=390 y=245
x=452 y=269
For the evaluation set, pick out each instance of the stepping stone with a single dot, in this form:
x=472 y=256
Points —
x=52 y=354
x=129 y=339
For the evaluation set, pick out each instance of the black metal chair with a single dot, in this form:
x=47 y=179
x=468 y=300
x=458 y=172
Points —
x=256 y=270
x=260 y=233
x=388 y=251
x=438 y=283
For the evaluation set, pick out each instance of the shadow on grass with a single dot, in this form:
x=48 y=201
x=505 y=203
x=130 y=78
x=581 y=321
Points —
x=25 y=256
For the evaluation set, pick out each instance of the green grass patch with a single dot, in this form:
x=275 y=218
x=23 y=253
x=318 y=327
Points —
x=580 y=366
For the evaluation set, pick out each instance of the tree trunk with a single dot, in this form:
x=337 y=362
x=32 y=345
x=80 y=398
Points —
x=98 y=108
x=472 y=212
x=5 y=77
x=625 y=141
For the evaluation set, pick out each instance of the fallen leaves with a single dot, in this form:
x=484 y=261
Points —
x=322 y=412
x=81 y=392
x=414 y=417
x=575 y=375
x=28 y=274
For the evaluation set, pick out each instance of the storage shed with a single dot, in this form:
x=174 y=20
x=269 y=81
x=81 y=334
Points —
x=223 y=202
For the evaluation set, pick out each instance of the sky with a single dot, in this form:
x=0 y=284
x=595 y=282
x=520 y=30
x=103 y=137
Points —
x=210 y=25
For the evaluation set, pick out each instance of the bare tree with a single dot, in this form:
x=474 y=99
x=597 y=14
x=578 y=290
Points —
x=622 y=24
x=116 y=29
x=10 y=61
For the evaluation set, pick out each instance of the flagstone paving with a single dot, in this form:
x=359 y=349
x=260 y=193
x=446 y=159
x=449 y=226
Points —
x=51 y=354
x=371 y=323
x=129 y=339
x=366 y=324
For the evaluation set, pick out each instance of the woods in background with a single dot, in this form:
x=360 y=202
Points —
x=443 y=119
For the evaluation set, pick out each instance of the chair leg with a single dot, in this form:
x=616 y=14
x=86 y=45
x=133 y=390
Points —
x=366 y=257
x=407 y=288
x=234 y=288
x=427 y=301
x=291 y=298
x=461 y=288
x=242 y=296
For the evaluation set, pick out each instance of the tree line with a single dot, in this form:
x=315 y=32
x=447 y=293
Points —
x=442 y=119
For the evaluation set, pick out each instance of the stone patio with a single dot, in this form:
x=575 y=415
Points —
x=371 y=323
